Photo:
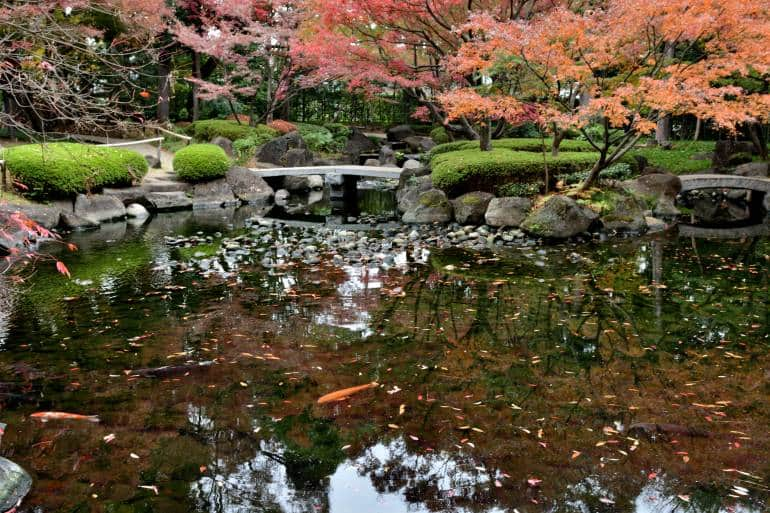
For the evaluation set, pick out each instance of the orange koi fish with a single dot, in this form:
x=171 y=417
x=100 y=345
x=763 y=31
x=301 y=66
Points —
x=45 y=416
x=345 y=392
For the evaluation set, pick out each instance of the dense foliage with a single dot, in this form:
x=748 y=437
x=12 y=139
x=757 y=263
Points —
x=469 y=169
x=57 y=170
x=522 y=144
x=201 y=162
x=205 y=131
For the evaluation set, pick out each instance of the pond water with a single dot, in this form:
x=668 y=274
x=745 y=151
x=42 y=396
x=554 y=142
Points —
x=507 y=381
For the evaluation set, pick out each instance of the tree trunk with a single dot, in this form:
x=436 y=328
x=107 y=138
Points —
x=8 y=108
x=755 y=131
x=196 y=59
x=486 y=136
x=164 y=88
x=697 y=129
x=663 y=128
x=594 y=173
x=558 y=137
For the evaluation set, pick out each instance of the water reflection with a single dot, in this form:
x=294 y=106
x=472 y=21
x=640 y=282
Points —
x=507 y=381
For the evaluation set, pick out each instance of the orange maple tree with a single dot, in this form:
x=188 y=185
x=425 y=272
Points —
x=632 y=62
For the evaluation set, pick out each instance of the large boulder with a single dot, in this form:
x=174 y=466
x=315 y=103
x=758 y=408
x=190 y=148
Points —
x=224 y=143
x=729 y=153
x=408 y=194
x=432 y=206
x=655 y=185
x=357 y=144
x=45 y=216
x=510 y=211
x=387 y=156
x=127 y=195
x=419 y=144
x=559 y=217
x=168 y=201
x=99 y=208
x=73 y=222
x=249 y=187
x=213 y=194
x=625 y=215
x=471 y=207
x=408 y=174
x=274 y=151
x=399 y=133
x=752 y=169
x=411 y=164
x=298 y=157
x=303 y=183
x=137 y=211
x=15 y=484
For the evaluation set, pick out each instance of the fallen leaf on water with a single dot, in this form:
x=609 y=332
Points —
x=401 y=409
x=109 y=438
x=134 y=456
x=575 y=454
x=534 y=482
x=148 y=487
x=605 y=500
x=393 y=426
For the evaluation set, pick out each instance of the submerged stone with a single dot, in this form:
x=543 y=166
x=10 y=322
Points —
x=15 y=484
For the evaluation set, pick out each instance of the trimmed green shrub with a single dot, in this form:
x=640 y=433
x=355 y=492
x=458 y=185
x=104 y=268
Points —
x=57 y=170
x=457 y=172
x=440 y=135
x=201 y=162
x=206 y=130
x=528 y=144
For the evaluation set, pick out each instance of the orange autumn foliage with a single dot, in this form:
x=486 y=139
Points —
x=631 y=61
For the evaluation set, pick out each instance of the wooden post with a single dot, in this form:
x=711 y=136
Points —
x=5 y=180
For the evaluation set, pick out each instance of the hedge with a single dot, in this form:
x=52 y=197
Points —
x=57 y=170
x=440 y=135
x=678 y=159
x=201 y=162
x=458 y=172
x=521 y=144
x=206 y=130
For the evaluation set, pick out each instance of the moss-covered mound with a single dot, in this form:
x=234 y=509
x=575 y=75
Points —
x=201 y=162
x=457 y=172
x=58 y=170
x=521 y=144
x=206 y=130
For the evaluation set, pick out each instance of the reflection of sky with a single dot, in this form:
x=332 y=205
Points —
x=262 y=484
x=6 y=309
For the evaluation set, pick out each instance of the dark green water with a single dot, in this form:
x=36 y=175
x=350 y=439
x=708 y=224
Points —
x=507 y=382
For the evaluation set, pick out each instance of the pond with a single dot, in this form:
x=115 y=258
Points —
x=627 y=376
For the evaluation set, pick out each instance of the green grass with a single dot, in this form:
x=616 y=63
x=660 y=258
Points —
x=678 y=159
x=522 y=144
x=493 y=171
x=57 y=170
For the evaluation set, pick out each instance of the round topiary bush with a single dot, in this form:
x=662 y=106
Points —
x=201 y=162
x=58 y=170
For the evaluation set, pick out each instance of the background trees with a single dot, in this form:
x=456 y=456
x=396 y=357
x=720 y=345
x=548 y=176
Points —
x=73 y=66
x=633 y=64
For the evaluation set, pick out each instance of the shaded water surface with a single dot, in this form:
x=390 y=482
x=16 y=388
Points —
x=508 y=382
